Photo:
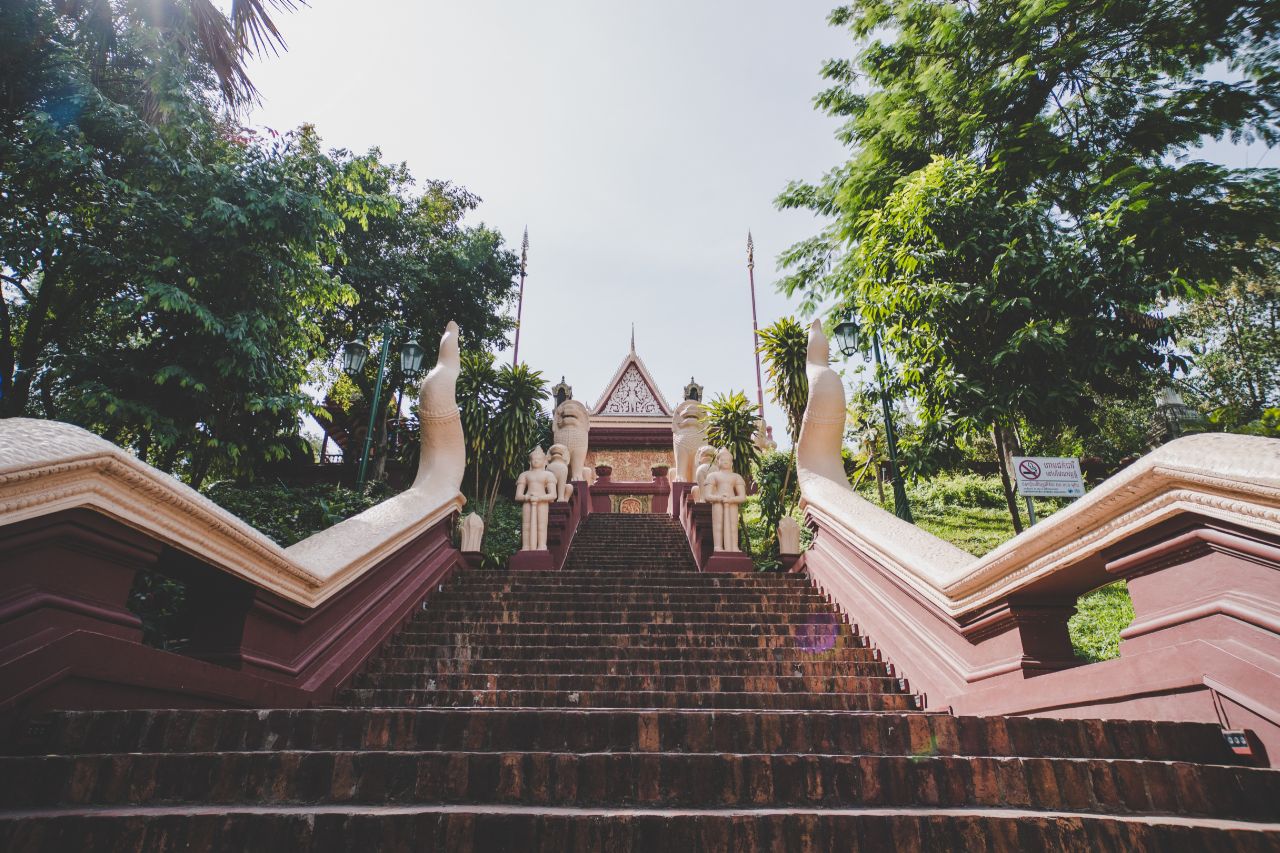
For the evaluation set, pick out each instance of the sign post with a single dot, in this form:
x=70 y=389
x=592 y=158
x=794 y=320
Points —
x=1047 y=477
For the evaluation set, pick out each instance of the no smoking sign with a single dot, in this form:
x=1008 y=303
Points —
x=1048 y=476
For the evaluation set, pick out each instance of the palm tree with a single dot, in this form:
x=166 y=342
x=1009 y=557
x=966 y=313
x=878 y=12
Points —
x=221 y=40
x=785 y=348
x=502 y=420
x=731 y=421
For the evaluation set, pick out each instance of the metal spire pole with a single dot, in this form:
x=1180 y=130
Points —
x=524 y=269
x=755 y=326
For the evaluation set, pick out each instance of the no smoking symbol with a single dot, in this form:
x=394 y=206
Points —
x=1029 y=470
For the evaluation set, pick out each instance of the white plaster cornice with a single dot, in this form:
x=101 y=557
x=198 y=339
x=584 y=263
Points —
x=48 y=467
x=1231 y=478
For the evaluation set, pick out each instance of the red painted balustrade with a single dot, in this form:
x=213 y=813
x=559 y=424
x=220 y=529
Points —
x=266 y=626
x=1194 y=528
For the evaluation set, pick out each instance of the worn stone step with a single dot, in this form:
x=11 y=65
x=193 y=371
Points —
x=731 y=618
x=586 y=730
x=462 y=829
x=583 y=598
x=655 y=580
x=481 y=637
x=447 y=649
x=369 y=698
x=651 y=666
x=609 y=629
x=690 y=780
x=570 y=681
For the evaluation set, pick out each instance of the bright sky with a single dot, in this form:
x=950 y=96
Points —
x=637 y=141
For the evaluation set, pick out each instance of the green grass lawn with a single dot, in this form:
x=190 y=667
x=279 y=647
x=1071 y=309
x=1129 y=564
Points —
x=969 y=511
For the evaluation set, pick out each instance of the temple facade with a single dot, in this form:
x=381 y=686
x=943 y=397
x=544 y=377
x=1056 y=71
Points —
x=627 y=441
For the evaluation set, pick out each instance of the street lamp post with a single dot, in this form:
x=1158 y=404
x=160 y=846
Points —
x=852 y=340
x=354 y=355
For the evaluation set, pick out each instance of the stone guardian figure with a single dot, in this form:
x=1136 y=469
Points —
x=706 y=461
x=558 y=464
x=571 y=424
x=535 y=490
x=726 y=490
x=688 y=434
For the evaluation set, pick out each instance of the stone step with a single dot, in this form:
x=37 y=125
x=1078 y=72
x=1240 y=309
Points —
x=651 y=666
x=561 y=730
x=571 y=681
x=730 y=617
x=478 y=637
x=586 y=830
x=371 y=698
x=655 y=579
x=446 y=650
x=681 y=780
x=581 y=597
x=606 y=629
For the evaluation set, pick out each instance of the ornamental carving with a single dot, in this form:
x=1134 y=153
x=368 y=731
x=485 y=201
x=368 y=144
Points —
x=632 y=396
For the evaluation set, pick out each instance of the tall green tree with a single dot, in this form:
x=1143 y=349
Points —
x=164 y=282
x=414 y=266
x=1234 y=335
x=1023 y=194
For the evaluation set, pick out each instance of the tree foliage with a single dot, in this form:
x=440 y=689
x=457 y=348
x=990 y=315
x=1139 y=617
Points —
x=1023 y=193
x=174 y=282
x=218 y=40
x=413 y=266
x=1234 y=335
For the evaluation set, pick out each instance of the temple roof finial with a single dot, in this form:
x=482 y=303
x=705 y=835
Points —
x=633 y=336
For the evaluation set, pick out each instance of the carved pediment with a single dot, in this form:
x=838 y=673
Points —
x=632 y=393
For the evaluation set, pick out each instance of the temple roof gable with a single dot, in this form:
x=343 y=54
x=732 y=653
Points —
x=632 y=393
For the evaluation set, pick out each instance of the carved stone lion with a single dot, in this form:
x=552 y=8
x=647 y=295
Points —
x=688 y=434
x=571 y=426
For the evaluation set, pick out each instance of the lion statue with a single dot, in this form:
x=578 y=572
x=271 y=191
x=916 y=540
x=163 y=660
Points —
x=571 y=426
x=688 y=434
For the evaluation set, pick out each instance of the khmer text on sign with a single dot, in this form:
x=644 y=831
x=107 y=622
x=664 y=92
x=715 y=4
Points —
x=1048 y=476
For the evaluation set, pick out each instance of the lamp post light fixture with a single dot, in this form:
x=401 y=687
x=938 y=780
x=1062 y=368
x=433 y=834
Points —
x=852 y=340
x=354 y=356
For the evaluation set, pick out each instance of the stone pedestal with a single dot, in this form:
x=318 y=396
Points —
x=791 y=563
x=729 y=561
x=531 y=561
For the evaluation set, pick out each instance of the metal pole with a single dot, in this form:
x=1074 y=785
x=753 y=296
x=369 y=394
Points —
x=901 y=508
x=524 y=268
x=755 y=328
x=373 y=411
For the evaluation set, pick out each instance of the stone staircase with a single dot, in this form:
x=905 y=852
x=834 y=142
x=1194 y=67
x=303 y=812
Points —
x=627 y=703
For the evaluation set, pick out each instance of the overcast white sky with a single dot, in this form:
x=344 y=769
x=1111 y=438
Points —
x=637 y=141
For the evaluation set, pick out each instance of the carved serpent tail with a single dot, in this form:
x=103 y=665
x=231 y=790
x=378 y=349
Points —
x=444 y=454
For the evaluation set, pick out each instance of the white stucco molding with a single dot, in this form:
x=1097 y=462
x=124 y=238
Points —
x=1232 y=478
x=48 y=466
